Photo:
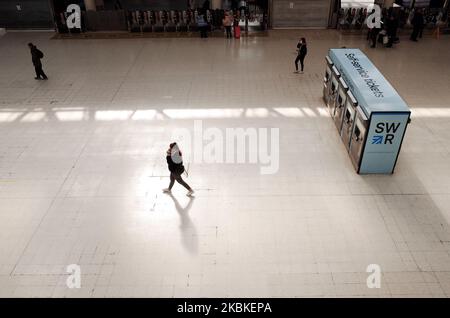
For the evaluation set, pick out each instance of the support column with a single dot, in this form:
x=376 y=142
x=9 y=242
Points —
x=90 y=5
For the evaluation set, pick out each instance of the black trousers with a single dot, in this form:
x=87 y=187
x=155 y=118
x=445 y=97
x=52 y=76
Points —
x=228 y=29
x=39 y=72
x=300 y=58
x=415 y=33
x=176 y=177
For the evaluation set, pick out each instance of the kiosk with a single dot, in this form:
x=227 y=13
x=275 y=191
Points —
x=370 y=116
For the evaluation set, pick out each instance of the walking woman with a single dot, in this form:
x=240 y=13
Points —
x=301 y=54
x=176 y=168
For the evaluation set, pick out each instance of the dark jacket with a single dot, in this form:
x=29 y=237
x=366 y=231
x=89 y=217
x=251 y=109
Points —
x=302 y=49
x=36 y=56
x=176 y=168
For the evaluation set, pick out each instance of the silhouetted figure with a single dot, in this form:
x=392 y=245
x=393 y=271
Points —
x=36 y=56
x=202 y=25
x=175 y=161
x=391 y=30
x=418 y=24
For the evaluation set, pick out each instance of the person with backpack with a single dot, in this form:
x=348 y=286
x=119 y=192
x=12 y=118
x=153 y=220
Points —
x=301 y=54
x=175 y=162
x=36 y=56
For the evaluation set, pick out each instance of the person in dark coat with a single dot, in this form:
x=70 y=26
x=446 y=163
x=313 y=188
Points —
x=301 y=54
x=175 y=162
x=36 y=56
x=391 y=30
x=418 y=24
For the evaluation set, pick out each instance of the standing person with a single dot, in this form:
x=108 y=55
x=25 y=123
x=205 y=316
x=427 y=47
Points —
x=175 y=161
x=391 y=30
x=373 y=33
x=417 y=23
x=236 y=27
x=36 y=56
x=206 y=5
x=301 y=54
x=227 y=22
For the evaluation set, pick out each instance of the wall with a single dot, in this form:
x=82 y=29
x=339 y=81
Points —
x=304 y=13
x=34 y=14
x=157 y=4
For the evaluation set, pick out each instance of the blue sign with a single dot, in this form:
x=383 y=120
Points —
x=377 y=140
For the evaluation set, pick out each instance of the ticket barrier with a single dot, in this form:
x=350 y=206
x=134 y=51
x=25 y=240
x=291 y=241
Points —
x=192 y=26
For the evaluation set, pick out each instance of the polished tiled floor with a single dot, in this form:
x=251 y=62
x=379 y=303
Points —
x=82 y=167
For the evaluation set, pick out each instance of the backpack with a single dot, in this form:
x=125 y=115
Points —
x=40 y=54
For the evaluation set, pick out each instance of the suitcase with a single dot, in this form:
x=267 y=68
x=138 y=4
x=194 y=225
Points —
x=237 y=32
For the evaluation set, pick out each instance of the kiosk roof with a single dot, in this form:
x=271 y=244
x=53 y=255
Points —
x=373 y=92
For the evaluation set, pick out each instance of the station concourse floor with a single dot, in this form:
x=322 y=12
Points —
x=82 y=166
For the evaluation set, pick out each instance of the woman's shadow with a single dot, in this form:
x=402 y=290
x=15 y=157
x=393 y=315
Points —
x=189 y=237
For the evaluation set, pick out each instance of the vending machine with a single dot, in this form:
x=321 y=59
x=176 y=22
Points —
x=369 y=114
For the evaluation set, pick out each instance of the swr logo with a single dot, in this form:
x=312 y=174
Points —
x=390 y=129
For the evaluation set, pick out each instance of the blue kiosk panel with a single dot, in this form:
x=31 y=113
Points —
x=384 y=139
x=387 y=112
